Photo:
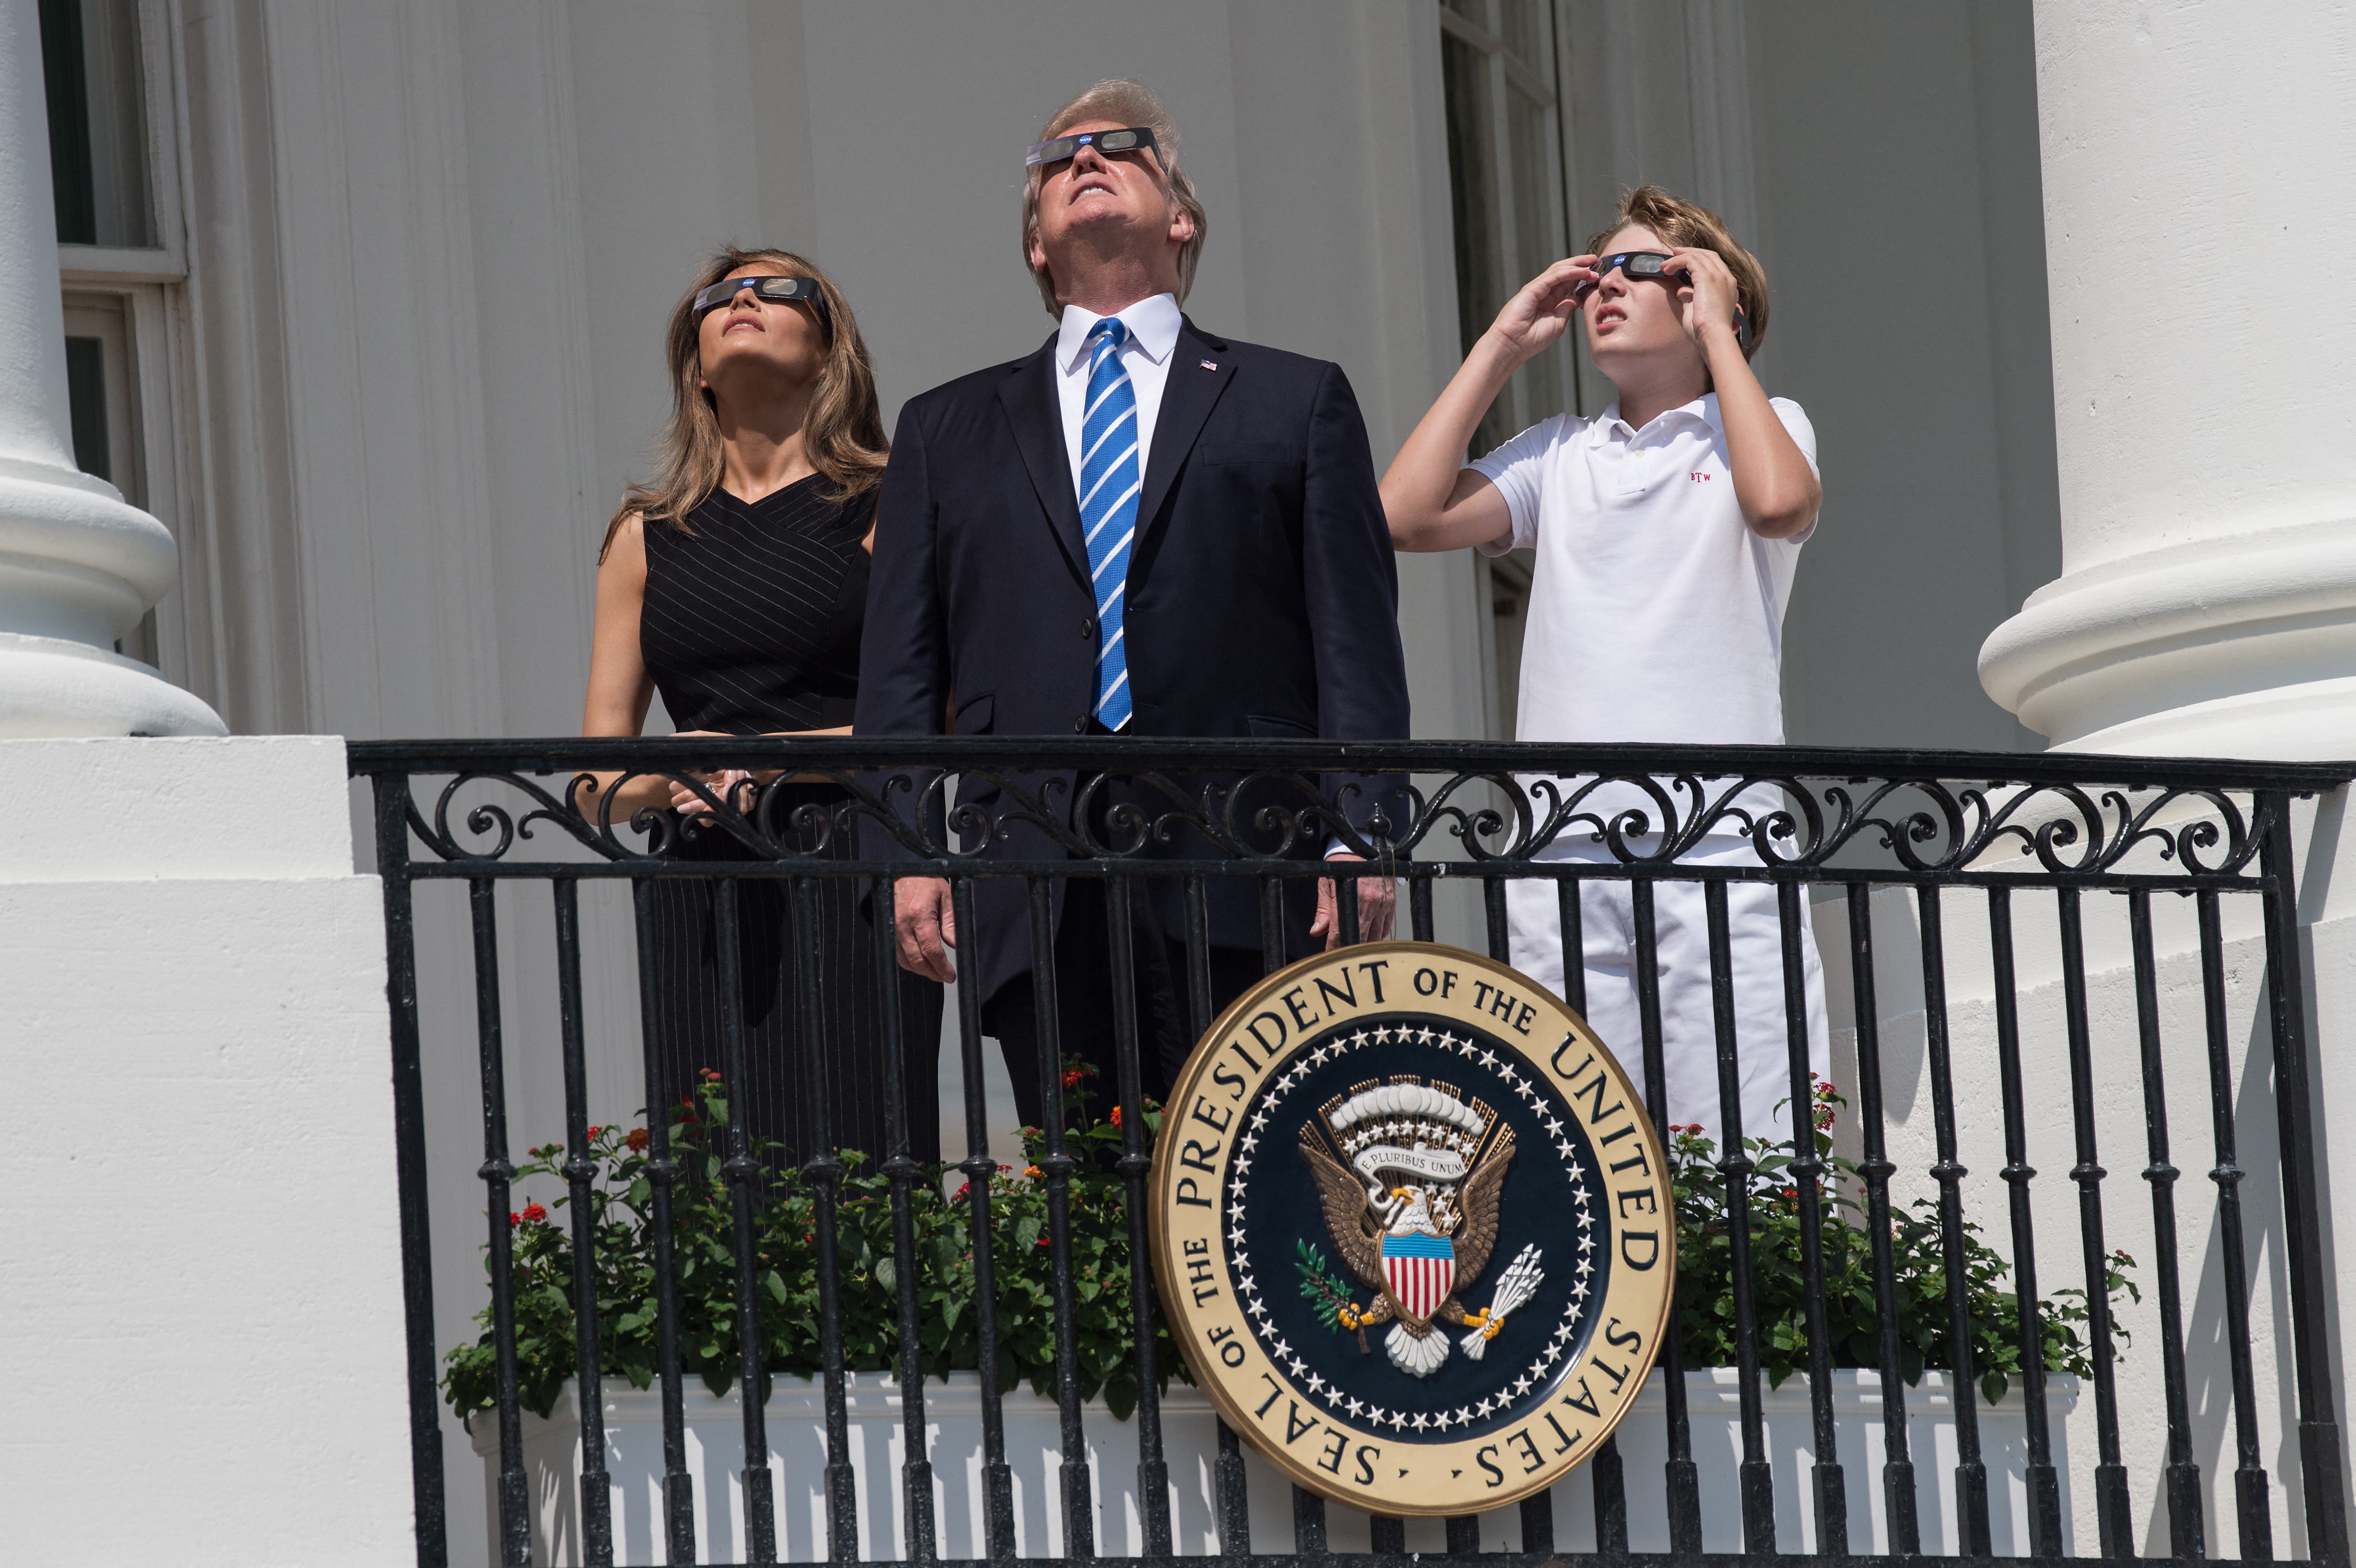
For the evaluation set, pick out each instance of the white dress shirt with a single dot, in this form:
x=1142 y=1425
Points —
x=1152 y=327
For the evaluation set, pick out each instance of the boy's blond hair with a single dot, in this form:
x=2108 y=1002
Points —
x=1689 y=223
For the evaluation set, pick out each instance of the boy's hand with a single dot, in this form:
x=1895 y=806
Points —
x=1708 y=295
x=1540 y=311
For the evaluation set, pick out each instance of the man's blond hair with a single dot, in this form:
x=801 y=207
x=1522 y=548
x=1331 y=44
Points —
x=1125 y=103
x=1681 y=222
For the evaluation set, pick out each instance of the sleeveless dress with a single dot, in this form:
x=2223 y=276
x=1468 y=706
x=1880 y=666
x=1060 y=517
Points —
x=751 y=626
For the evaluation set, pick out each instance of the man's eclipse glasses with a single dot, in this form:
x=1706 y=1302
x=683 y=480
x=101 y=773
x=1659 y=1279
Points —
x=780 y=289
x=1133 y=139
x=1653 y=264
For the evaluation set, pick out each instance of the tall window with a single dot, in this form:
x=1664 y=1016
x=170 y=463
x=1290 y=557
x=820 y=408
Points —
x=107 y=77
x=1502 y=64
x=1505 y=154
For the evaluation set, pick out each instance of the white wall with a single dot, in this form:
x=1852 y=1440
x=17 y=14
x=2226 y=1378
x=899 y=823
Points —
x=204 y=1264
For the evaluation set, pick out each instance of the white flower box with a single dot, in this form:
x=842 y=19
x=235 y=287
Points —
x=796 y=1435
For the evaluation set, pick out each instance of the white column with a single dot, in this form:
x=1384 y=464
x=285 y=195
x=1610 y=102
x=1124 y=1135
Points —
x=78 y=566
x=2201 y=251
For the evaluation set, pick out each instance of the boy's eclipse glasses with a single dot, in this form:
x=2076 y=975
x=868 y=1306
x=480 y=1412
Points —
x=1653 y=264
x=780 y=289
x=1133 y=139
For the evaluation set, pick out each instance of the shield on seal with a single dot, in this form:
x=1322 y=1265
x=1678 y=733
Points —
x=1420 y=1269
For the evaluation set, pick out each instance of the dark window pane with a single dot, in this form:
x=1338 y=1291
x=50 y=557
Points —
x=86 y=400
x=98 y=122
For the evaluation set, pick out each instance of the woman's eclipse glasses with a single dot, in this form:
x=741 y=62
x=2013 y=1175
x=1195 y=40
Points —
x=1130 y=140
x=1653 y=264
x=780 y=289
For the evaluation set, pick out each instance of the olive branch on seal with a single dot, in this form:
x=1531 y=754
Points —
x=1325 y=1292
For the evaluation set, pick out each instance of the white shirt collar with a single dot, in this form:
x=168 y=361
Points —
x=1152 y=325
x=1704 y=408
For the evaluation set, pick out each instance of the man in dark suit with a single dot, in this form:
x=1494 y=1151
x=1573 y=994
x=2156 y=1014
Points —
x=1142 y=528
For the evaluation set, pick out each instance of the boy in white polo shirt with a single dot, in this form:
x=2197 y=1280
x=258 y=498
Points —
x=1666 y=530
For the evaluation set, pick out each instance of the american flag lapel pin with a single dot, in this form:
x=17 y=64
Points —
x=1210 y=364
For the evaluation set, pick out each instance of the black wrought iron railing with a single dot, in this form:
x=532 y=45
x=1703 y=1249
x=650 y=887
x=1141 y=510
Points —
x=2109 y=930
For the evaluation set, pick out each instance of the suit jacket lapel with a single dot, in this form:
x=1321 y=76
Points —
x=1037 y=418
x=1187 y=397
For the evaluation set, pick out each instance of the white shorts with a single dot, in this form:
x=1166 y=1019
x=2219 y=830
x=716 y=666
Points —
x=1689 y=1019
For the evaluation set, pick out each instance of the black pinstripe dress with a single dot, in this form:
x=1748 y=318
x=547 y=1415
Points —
x=752 y=625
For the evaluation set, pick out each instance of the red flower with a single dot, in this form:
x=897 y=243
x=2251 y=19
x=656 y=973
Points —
x=1043 y=1241
x=1116 y=1115
x=709 y=1076
x=1074 y=1077
x=961 y=1193
x=594 y=1131
x=514 y=1218
x=637 y=1140
x=533 y=1213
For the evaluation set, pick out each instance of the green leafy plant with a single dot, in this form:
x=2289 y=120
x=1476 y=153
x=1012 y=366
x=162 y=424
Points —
x=1852 y=1316
x=621 y=1201
x=621 y=1198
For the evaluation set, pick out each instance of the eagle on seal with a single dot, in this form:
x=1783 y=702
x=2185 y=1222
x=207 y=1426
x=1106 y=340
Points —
x=1390 y=1237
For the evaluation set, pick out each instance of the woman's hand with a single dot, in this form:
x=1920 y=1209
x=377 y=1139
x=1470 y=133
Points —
x=1709 y=295
x=1541 y=312
x=725 y=782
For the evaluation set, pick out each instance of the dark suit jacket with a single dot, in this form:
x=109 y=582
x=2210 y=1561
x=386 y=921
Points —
x=1263 y=597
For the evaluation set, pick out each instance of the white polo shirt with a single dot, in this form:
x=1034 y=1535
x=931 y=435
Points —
x=1655 y=615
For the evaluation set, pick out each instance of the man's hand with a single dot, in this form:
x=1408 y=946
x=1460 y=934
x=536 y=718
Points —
x=1708 y=295
x=926 y=920
x=1542 y=309
x=1377 y=903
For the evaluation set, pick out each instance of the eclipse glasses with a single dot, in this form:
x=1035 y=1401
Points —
x=1126 y=141
x=779 y=289
x=1653 y=264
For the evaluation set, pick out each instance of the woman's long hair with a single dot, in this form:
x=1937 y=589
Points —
x=842 y=436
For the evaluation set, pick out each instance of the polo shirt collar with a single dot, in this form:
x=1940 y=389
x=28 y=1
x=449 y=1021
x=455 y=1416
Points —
x=1702 y=410
x=1152 y=323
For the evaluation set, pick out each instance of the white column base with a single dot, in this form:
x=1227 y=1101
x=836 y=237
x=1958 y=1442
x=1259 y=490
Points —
x=2236 y=647
x=201 y=1217
x=51 y=687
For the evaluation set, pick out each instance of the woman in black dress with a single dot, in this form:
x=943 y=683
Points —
x=735 y=584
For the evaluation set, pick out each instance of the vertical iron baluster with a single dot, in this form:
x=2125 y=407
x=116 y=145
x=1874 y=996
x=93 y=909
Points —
x=1606 y=1471
x=1307 y=1507
x=1684 y=1479
x=900 y=1169
x=1152 y=1472
x=1897 y=1465
x=391 y=800
x=1419 y=903
x=996 y=1480
x=497 y=1172
x=662 y=1170
x=1830 y=1483
x=741 y=1171
x=2253 y=1511
x=1971 y=1471
x=1345 y=904
x=1386 y=1535
x=2044 y=1485
x=597 y=1494
x=822 y=1168
x=2116 y=1528
x=1493 y=909
x=2320 y=1464
x=1076 y=1479
x=1734 y=1166
x=1464 y=1535
x=2184 y=1531
x=1228 y=1470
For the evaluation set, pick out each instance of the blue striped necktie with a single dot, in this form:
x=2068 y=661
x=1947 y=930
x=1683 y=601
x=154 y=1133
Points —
x=1108 y=486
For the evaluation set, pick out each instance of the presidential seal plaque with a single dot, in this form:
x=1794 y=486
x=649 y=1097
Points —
x=1413 y=1229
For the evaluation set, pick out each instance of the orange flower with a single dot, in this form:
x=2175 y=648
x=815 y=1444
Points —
x=637 y=1140
x=533 y=1213
x=1116 y=1115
